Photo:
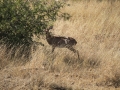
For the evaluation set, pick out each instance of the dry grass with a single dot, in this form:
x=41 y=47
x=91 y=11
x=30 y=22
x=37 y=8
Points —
x=96 y=27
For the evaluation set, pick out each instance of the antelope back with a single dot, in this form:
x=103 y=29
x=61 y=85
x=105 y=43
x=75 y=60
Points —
x=71 y=41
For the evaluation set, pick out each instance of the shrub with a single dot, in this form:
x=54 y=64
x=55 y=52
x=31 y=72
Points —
x=21 y=19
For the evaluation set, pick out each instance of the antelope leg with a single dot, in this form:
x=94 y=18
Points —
x=53 y=48
x=72 y=49
x=78 y=54
x=75 y=51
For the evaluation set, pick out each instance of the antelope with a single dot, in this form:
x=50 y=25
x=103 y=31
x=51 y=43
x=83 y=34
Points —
x=60 y=41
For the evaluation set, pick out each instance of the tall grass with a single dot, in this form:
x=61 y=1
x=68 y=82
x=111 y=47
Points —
x=96 y=27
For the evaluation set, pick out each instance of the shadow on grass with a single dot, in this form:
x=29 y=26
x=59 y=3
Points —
x=80 y=63
x=54 y=86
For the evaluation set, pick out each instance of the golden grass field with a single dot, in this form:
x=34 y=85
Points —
x=96 y=27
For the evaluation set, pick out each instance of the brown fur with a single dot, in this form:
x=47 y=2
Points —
x=61 y=42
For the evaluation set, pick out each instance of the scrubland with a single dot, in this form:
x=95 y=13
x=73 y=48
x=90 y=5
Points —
x=96 y=27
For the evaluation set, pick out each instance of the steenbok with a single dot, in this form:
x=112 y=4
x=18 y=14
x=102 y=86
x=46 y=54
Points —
x=61 y=42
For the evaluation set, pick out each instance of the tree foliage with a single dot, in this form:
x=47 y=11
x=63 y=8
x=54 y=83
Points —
x=21 y=19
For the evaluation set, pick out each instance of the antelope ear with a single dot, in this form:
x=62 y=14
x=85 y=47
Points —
x=51 y=27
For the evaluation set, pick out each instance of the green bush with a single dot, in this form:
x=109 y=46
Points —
x=21 y=19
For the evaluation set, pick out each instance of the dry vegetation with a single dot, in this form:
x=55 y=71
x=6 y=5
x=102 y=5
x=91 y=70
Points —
x=96 y=27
